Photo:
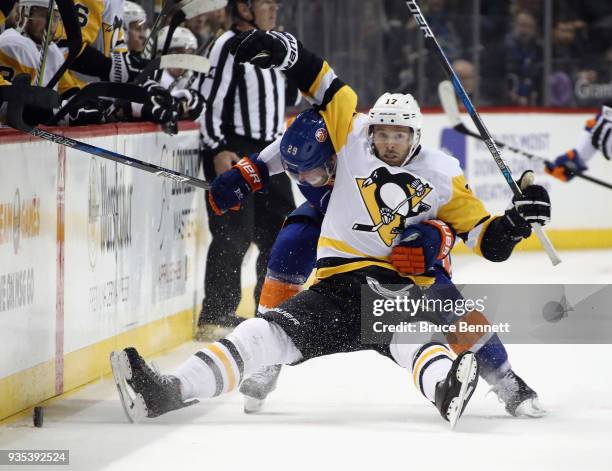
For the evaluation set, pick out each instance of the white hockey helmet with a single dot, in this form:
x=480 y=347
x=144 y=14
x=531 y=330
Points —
x=24 y=10
x=132 y=12
x=397 y=109
x=182 y=37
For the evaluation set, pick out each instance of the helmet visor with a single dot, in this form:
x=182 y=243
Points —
x=315 y=177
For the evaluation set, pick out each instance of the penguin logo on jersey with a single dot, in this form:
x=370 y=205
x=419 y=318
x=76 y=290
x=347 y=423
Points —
x=390 y=200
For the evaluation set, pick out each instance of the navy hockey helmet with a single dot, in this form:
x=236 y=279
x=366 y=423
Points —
x=307 y=151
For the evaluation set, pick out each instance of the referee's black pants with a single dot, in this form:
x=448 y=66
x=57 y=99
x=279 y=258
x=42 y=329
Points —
x=258 y=221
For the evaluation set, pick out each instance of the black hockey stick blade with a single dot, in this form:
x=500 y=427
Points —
x=20 y=94
x=15 y=120
x=122 y=91
x=74 y=40
x=364 y=227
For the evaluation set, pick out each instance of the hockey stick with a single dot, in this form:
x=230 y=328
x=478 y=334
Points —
x=21 y=88
x=431 y=40
x=74 y=39
x=451 y=108
x=188 y=9
x=370 y=228
x=123 y=91
x=45 y=47
x=169 y=61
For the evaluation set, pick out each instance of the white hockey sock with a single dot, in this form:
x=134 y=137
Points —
x=219 y=367
x=430 y=365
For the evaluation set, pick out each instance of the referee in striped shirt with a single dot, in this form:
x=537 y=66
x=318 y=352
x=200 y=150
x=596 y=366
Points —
x=245 y=111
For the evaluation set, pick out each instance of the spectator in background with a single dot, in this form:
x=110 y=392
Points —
x=523 y=61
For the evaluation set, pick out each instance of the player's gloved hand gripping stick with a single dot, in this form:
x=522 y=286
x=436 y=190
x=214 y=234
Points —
x=430 y=39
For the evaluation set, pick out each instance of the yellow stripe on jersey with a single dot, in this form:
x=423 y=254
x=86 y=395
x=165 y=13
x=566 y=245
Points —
x=338 y=109
x=2 y=18
x=3 y=81
x=90 y=18
x=464 y=211
x=326 y=272
x=18 y=68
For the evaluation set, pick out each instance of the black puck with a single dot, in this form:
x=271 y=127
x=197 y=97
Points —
x=38 y=416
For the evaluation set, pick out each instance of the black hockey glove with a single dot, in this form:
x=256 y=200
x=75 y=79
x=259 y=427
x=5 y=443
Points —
x=265 y=49
x=532 y=206
x=191 y=103
x=601 y=137
x=91 y=112
x=125 y=66
x=161 y=107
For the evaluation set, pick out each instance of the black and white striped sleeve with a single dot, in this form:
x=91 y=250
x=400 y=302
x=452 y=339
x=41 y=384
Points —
x=216 y=89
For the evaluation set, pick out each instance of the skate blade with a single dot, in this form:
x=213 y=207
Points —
x=133 y=404
x=530 y=408
x=252 y=405
x=466 y=374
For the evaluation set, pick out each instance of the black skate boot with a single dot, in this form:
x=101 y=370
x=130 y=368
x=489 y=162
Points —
x=453 y=394
x=257 y=387
x=520 y=399
x=144 y=392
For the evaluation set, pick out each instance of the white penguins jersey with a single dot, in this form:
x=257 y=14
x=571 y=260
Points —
x=20 y=55
x=372 y=202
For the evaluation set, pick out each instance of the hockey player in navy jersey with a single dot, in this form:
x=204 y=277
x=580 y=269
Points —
x=361 y=240
x=596 y=136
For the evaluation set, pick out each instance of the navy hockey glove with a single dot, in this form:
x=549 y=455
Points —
x=265 y=49
x=421 y=245
x=532 y=206
x=230 y=188
x=566 y=166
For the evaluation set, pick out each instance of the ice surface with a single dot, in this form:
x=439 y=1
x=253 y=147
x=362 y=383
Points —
x=360 y=411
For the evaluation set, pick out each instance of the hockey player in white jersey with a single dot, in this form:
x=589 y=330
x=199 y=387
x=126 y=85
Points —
x=383 y=223
x=596 y=136
x=21 y=48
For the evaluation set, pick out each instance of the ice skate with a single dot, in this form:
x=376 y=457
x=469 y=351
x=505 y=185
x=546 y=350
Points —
x=520 y=399
x=143 y=391
x=256 y=387
x=453 y=393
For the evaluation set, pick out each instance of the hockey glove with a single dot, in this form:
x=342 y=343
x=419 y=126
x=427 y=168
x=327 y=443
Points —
x=125 y=66
x=566 y=166
x=191 y=103
x=91 y=112
x=421 y=245
x=532 y=206
x=161 y=107
x=230 y=188
x=600 y=134
x=265 y=49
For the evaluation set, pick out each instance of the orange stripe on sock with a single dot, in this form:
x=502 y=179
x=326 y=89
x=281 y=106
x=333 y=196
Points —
x=220 y=354
x=462 y=341
x=424 y=357
x=275 y=292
